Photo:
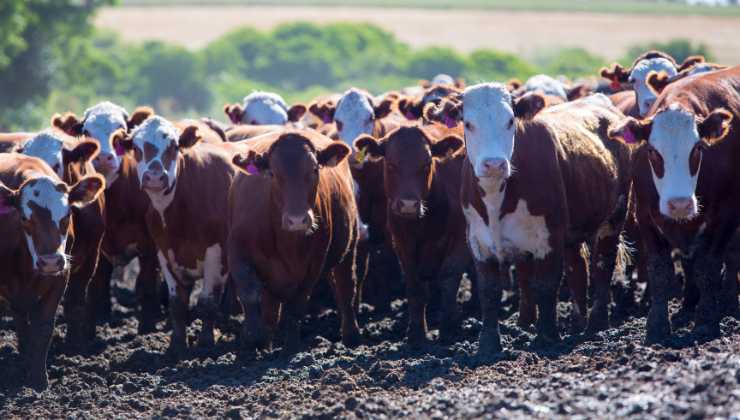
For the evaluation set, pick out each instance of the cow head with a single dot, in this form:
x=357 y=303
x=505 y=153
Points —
x=355 y=114
x=409 y=156
x=49 y=147
x=413 y=108
x=490 y=116
x=293 y=165
x=100 y=124
x=675 y=140
x=43 y=204
x=157 y=145
x=264 y=108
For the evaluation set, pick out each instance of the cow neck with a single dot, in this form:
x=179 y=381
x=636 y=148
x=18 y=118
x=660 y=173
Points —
x=162 y=200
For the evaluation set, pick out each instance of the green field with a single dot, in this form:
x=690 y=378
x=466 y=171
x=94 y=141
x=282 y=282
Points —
x=595 y=6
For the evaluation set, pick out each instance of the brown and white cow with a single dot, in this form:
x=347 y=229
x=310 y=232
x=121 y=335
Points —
x=292 y=220
x=524 y=181
x=686 y=189
x=264 y=108
x=413 y=107
x=70 y=160
x=187 y=184
x=422 y=183
x=35 y=223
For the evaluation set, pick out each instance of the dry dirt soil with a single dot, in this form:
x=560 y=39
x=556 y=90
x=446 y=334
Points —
x=609 y=35
x=124 y=375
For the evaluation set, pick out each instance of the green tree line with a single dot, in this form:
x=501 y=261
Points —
x=52 y=60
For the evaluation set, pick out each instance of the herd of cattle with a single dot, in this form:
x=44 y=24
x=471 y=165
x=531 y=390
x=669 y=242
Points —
x=551 y=178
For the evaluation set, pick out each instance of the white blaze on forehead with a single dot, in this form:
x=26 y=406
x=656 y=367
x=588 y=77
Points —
x=547 y=85
x=45 y=194
x=638 y=76
x=265 y=108
x=674 y=135
x=101 y=120
x=487 y=108
x=443 y=79
x=161 y=134
x=356 y=115
x=48 y=147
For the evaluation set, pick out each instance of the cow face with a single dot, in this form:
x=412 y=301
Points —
x=645 y=96
x=355 y=114
x=676 y=140
x=490 y=115
x=49 y=147
x=293 y=166
x=156 y=145
x=409 y=158
x=100 y=124
x=44 y=205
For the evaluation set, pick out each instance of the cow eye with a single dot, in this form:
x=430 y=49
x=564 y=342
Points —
x=468 y=126
x=695 y=158
x=510 y=123
x=339 y=125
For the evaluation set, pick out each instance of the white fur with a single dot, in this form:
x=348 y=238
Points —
x=674 y=134
x=44 y=194
x=645 y=96
x=488 y=109
x=214 y=272
x=547 y=85
x=443 y=79
x=160 y=133
x=46 y=146
x=168 y=277
x=355 y=113
x=701 y=68
x=265 y=108
x=101 y=121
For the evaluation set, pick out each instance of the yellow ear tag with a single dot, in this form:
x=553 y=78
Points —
x=360 y=157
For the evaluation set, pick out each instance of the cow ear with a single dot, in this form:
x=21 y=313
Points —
x=715 y=126
x=424 y=83
x=616 y=74
x=235 y=112
x=333 y=154
x=8 y=200
x=383 y=109
x=368 y=144
x=325 y=111
x=296 y=112
x=577 y=91
x=83 y=152
x=68 y=123
x=691 y=61
x=410 y=108
x=527 y=106
x=449 y=112
x=253 y=163
x=86 y=190
x=656 y=81
x=189 y=137
x=121 y=141
x=139 y=116
x=447 y=145
x=632 y=131
x=513 y=84
x=460 y=83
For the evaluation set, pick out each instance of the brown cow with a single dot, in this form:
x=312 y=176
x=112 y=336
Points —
x=70 y=159
x=187 y=184
x=126 y=235
x=422 y=183
x=523 y=186
x=686 y=190
x=292 y=220
x=35 y=212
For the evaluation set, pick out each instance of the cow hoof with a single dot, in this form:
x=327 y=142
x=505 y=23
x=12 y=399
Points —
x=39 y=382
x=352 y=339
x=489 y=343
x=177 y=349
x=707 y=329
x=206 y=340
x=598 y=320
x=417 y=339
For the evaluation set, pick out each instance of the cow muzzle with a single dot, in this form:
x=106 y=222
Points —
x=105 y=163
x=51 y=264
x=495 y=168
x=154 y=180
x=300 y=223
x=410 y=209
x=681 y=208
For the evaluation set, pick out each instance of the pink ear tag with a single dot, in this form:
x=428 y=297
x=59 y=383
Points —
x=450 y=122
x=4 y=207
x=615 y=85
x=410 y=116
x=119 y=149
x=252 y=170
x=629 y=138
x=326 y=119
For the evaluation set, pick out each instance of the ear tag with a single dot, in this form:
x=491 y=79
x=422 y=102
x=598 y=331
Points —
x=410 y=116
x=326 y=119
x=5 y=208
x=629 y=138
x=450 y=122
x=119 y=149
x=252 y=170
x=360 y=157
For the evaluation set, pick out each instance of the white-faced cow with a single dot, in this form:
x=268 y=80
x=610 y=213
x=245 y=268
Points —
x=264 y=108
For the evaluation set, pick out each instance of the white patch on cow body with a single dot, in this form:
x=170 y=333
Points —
x=48 y=147
x=160 y=201
x=487 y=113
x=546 y=85
x=265 y=108
x=214 y=273
x=674 y=135
x=100 y=122
x=355 y=114
x=645 y=96
x=168 y=277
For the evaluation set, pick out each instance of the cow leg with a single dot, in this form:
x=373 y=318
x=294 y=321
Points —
x=728 y=299
x=343 y=278
x=660 y=271
x=707 y=273
x=75 y=306
x=214 y=282
x=603 y=259
x=686 y=282
x=449 y=280
x=22 y=331
x=362 y=264
x=251 y=292
x=99 y=297
x=527 y=306
x=490 y=286
x=577 y=278
x=147 y=292
x=417 y=295
x=548 y=276
x=179 y=297
x=293 y=313
x=42 y=328
x=270 y=318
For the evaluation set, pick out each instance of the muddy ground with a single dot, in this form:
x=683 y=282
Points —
x=612 y=375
